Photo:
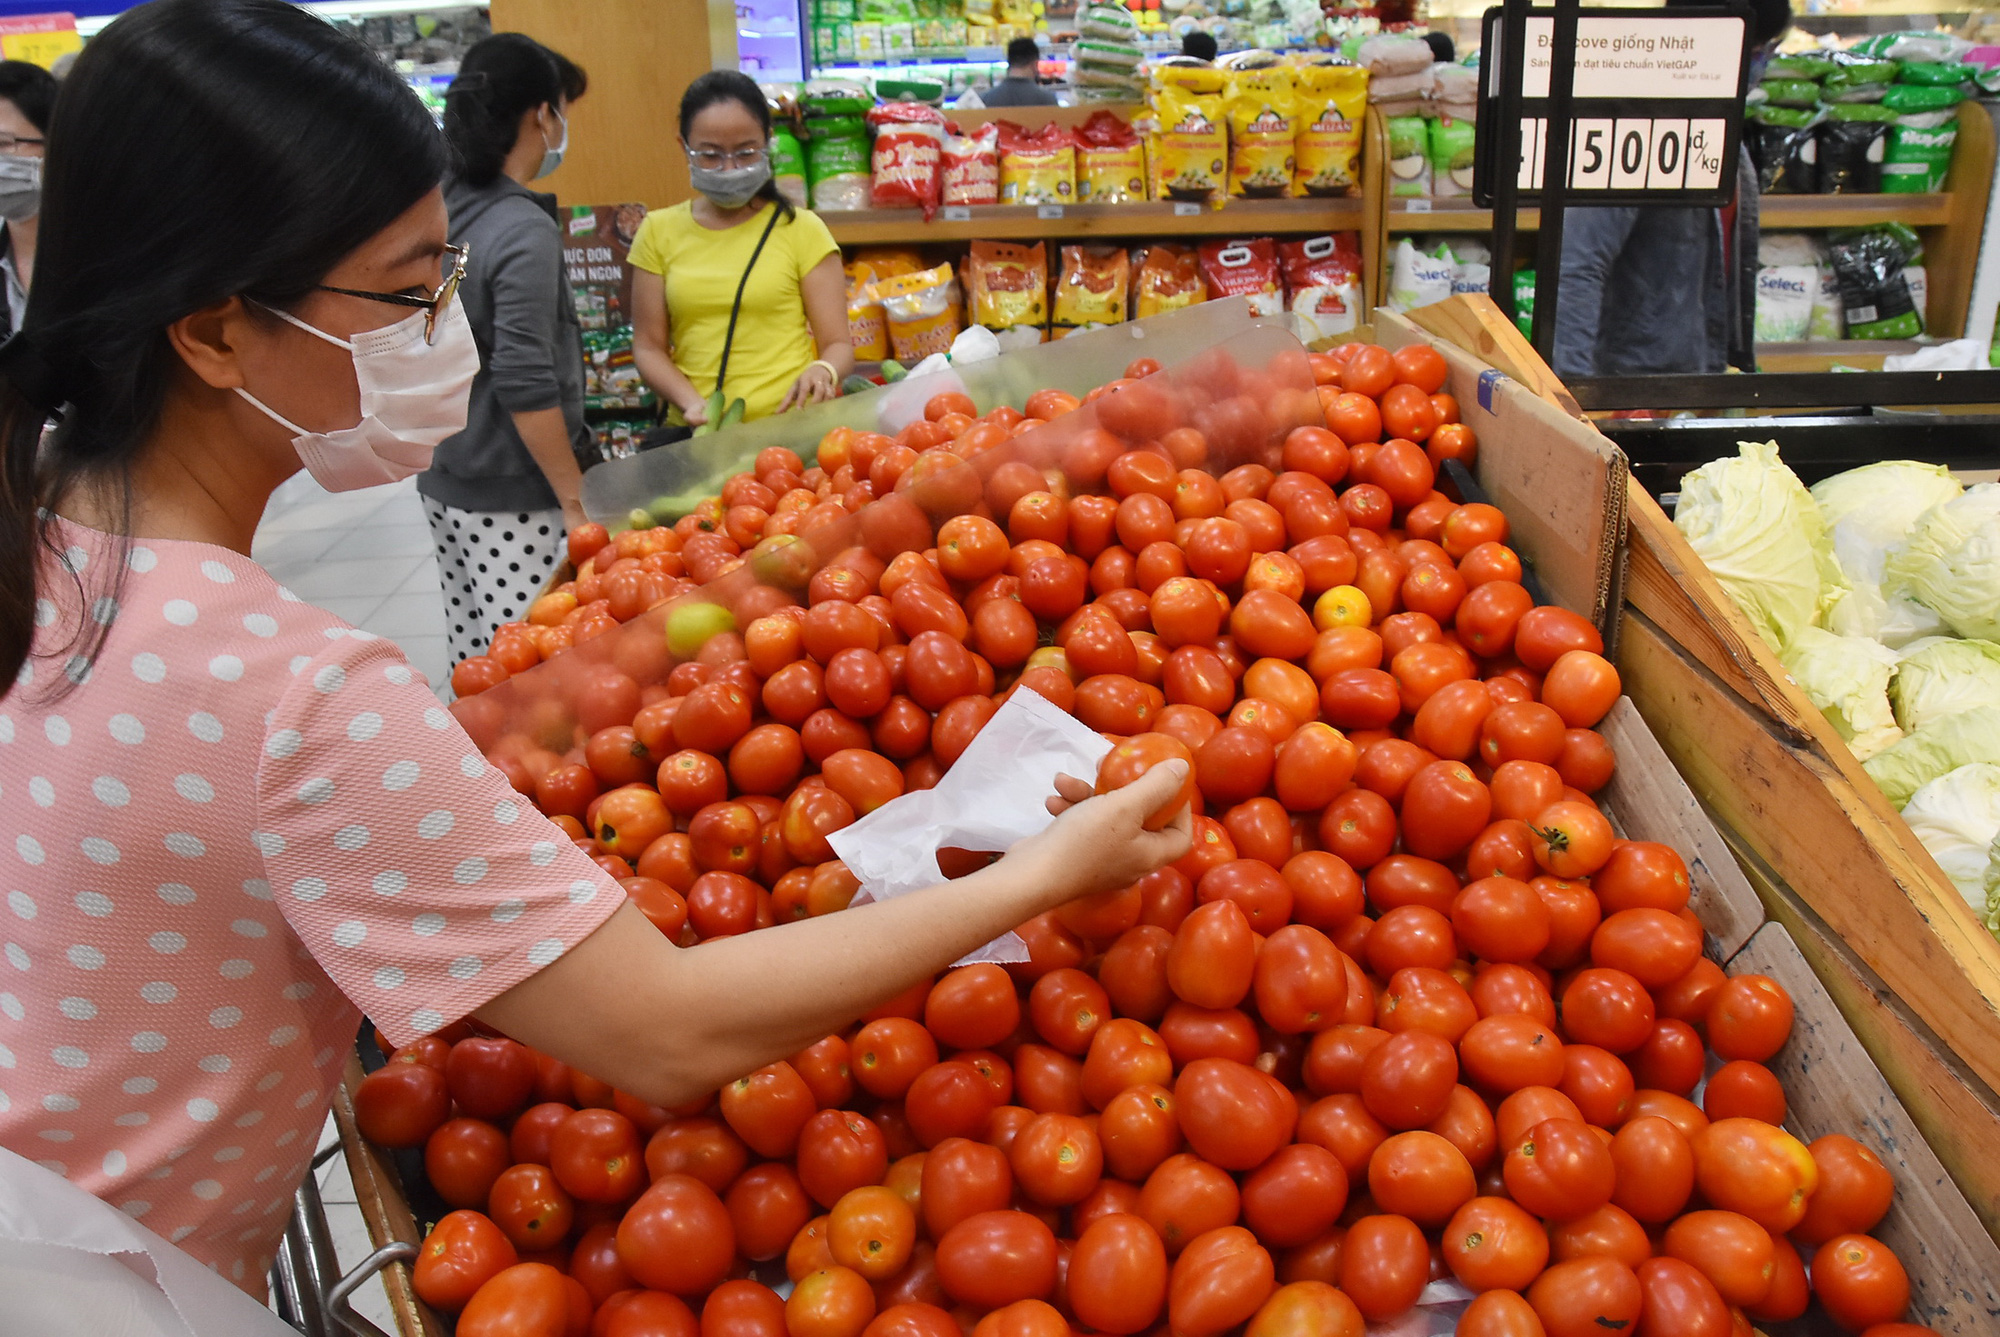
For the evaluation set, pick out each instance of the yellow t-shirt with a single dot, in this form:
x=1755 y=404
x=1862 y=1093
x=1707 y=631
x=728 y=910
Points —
x=701 y=268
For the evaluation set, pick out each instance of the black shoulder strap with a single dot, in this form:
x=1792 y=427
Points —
x=736 y=307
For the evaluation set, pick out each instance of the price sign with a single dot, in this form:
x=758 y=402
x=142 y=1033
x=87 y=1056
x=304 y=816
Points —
x=1048 y=212
x=958 y=213
x=1656 y=112
x=39 y=38
x=1186 y=209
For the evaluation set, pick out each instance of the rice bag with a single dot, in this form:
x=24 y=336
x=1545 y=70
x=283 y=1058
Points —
x=1524 y=302
x=1918 y=154
x=1784 y=145
x=1921 y=97
x=1852 y=70
x=1113 y=23
x=1007 y=291
x=835 y=97
x=922 y=312
x=1125 y=55
x=1093 y=289
x=1874 y=291
x=837 y=162
x=909 y=143
x=1190 y=150
x=1804 y=65
x=1263 y=124
x=1110 y=161
x=1851 y=150
x=1409 y=156
x=970 y=165
x=1322 y=277
x=788 y=166
x=1829 y=318
x=1169 y=279
x=1245 y=268
x=1790 y=92
x=1036 y=166
x=1332 y=100
x=1936 y=74
x=1449 y=146
x=1417 y=279
x=1784 y=302
x=1385 y=55
x=867 y=322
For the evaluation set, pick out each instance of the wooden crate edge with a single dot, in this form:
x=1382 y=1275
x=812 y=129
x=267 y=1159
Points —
x=379 y=1193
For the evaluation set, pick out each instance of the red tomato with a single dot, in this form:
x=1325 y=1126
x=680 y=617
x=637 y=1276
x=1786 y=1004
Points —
x=1495 y=1243
x=1587 y=1297
x=402 y=1104
x=994 y=1258
x=1678 y=1301
x=1384 y=1266
x=527 y=1298
x=1117 y=1281
x=1221 y=1279
x=1233 y=1115
x=463 y=1251
x=596 y=1156
x=677 y=1237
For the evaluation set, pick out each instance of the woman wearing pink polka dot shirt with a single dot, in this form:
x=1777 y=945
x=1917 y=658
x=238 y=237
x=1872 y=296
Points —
x=229 y=822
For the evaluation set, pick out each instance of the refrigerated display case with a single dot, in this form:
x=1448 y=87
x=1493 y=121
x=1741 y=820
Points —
x=769 y=40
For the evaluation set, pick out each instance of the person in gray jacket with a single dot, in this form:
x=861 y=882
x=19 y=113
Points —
x=1665 y=289
x=502 y=494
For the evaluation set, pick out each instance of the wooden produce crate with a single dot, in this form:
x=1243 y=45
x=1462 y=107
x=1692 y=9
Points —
x=1564 y=488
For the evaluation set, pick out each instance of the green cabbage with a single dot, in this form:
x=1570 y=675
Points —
x=1934 y=749
x=1952 y=563
x=1847 y=677
x=1957 y=817
x=1871 y=511
x=1943 y=678
x=1756 y=527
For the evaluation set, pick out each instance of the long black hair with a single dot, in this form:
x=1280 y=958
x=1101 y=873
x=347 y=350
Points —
x=733 y=86
x=200 y=150
x=502 y=78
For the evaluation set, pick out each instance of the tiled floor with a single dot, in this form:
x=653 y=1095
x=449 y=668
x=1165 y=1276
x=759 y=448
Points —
x=367 y=557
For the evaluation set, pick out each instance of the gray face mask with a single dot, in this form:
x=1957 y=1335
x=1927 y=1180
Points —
x=20 y=187
x=731 y=187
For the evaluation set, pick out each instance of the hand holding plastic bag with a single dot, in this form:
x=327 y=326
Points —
x=995 y=795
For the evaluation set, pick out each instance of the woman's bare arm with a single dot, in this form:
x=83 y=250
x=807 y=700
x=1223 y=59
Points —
x=672 y=1025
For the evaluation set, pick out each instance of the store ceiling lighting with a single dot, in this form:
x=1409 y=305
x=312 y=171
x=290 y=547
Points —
x=332 y=9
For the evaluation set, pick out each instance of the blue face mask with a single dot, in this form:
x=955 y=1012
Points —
x=552 y=157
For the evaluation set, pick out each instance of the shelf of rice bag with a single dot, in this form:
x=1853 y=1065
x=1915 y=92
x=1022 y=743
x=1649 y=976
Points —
x=1161 y=218
x=1774 y=212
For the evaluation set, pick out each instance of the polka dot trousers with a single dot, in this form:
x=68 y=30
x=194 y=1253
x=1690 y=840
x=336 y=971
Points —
x=492 y=565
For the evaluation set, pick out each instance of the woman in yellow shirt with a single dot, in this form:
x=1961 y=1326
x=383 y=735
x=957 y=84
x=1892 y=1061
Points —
x=790 y=345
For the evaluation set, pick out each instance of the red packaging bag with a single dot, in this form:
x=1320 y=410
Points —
x=972 y=164
x=1323 y=280
x=1244 y=267
x=907 y=165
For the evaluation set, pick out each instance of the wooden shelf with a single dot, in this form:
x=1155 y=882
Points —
x=861 y=227
x=1774 y=211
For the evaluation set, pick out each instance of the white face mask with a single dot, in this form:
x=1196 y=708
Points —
x=413 y=395
x=552 y=157
x=20 y=187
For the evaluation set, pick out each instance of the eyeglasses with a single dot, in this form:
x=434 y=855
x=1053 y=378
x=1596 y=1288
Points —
x=434 y=306
x=712 y=159
x=15 y=143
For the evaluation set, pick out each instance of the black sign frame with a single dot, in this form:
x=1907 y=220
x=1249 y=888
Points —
x=1490 y=137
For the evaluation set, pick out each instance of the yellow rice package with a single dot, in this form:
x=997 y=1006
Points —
x=922 y=310
x=1263 y=123
x=1169 y=278
x=1190 y=150
x=1094 y=289
x=867 y=322
x=1007 y=291
x=884 y=262
x=1332 y=100
x=1110 y=161
x=1037 y=166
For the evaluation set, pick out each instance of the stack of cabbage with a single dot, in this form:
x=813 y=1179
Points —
x=1880 y=590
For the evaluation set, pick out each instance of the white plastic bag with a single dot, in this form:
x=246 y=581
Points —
x=71 y=1262
x=994 y=796
x=1784 y=302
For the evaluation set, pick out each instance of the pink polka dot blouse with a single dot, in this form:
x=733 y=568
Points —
x=245 y=821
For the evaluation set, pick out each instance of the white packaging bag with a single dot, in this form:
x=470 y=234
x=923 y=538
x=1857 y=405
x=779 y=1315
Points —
x=994 y=796
x=1784 y=302
x=72 y=1263
x=1418 y=279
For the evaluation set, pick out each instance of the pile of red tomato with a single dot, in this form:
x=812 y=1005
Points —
x=1407 y=1011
